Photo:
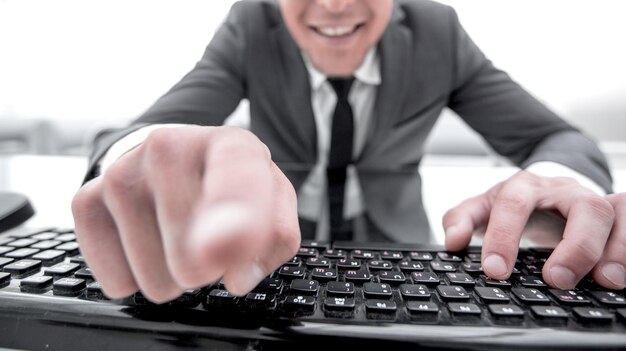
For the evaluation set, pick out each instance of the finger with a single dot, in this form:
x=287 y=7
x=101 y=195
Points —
x=99 y=241
x=177 y=155
x=132 y=208
x=232 y=218
x=281 y=245
x=610 y=272
x=510 y=209
x=460 y=222
x=589 y=222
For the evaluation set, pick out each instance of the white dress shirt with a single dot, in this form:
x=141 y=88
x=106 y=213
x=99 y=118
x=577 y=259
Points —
x=312 y=197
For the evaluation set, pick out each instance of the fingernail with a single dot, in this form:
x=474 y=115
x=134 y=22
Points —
x=221 y=219
x=495 y=266
x=615 y=273
x=247 y=279
x=562 y=277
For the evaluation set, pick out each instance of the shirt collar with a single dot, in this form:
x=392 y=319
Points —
x=368 y=72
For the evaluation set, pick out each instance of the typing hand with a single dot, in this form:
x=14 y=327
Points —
x=187 y=207
x=594 y=237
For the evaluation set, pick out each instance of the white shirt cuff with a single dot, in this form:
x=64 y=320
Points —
x=553 y=169
x=130 y=142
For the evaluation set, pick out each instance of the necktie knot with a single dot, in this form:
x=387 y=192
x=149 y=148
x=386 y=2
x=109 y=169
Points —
x=341 y=86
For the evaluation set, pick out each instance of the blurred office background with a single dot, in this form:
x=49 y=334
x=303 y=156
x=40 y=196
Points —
x=69 y=68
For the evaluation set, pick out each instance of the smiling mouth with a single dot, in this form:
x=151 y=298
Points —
x=337 y=31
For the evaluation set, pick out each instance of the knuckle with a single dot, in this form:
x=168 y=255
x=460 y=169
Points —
x=514 y=201
x=117 y=180
x=160 y=146
x=599 y=208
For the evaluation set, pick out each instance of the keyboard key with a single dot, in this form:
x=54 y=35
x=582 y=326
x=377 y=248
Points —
x=219 y=298
x=295 y=261
x=379 y=265
x=62 y=269
x=49 y=257
x=340 y=289
x=348 y=263
x=358 y=276
x=5 y=260
x=609 y=298
x=94 y=291
x=68 y=286
x=300 y=302
x=495 y=283
x=441 y=267
x=464 y=308
x=302 y=286
x=21 y=253
x=428 y=278
x=474 y=257
x=84 y=273
x=422 y=307
x=324 y=274
x=421 y=256
x=5 y=240
x=549 y=312
x=508 y=310
x=335 y=253
x=5 y=249
x=20 y=243
x=307 y=252
x=529 y=281
x=491 y=295
x=66 y=237
x=339 y=303
x=260 y=301
x=452 y=293
x=410 y=266
x=391 y=255
x=462 y=279
x=70 y=248
x=570 y=297
x=291 y=272
x=391 y=277
x=375 y=305
x=44 y=236
x=376 y=290
x=46 y=244
x=270 y=285
x=414 y=291
x=5 y=278
x=448 y=257
x=472 y=268
x=22 y=268
x=593 y=314
x=364 y=254
x=530 y=296
x=38 y=283
x=317 y=262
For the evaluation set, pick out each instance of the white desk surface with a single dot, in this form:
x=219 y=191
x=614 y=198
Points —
x=51 y=181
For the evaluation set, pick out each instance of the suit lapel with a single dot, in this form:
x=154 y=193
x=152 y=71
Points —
x=394 y=50
x=296 y=94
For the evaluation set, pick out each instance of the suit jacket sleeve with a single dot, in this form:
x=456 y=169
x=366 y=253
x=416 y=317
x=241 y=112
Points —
x=513 y=122
x=206 y=95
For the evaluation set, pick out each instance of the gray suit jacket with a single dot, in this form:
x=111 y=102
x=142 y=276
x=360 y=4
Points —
x=428 y=62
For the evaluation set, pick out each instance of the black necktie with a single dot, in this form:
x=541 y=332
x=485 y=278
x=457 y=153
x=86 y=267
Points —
x=341 y=140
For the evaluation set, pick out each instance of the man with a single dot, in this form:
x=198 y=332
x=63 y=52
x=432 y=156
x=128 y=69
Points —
x=193 y=204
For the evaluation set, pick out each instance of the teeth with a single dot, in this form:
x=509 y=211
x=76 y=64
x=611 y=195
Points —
x=336 y=31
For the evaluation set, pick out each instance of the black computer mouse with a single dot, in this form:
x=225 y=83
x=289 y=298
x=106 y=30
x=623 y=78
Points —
x=14 y=210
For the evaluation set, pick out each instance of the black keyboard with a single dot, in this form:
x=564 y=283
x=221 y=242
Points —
x=330 y=295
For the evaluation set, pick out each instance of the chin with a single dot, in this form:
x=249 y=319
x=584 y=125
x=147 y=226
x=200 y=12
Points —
x=337 y=68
